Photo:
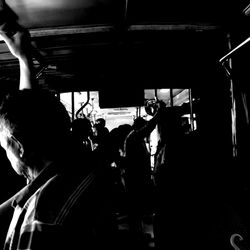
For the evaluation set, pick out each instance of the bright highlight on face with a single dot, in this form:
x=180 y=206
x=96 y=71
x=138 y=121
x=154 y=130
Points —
x=12 y=152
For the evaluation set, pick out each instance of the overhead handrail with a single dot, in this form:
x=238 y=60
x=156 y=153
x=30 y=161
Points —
x=227 y=56
x=84 y=105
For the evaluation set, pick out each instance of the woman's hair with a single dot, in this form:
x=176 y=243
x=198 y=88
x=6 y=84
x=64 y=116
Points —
x=36 y=117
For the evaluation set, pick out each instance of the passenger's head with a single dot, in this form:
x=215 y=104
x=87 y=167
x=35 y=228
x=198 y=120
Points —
x=81 y=128
x=33 y=123
x=100 y=122
x=99 y=129
x=139 y=122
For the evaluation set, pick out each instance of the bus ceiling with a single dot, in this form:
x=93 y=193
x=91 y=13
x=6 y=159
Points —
x=90 y=45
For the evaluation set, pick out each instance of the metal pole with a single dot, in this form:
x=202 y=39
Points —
x=73 y=105
x=156 y=94
x=84 y=105
x=233 y=103
x=191 y=109
x=171 y=97
x=227 y=56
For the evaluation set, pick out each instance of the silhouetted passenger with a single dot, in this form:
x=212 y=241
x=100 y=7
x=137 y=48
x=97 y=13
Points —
x=191 y=211
x=115 y=145
x=172 y=178
x=62 y=207
x=101 y=146
x=117 y=138
x=101 y=122
x=81 y=130
x=100 y=132
x=138 y=172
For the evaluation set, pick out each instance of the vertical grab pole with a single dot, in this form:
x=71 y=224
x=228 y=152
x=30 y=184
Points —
x=156 y=94
x=171 y=97
x=233 y=102
x=73 y=105
x=191 y=109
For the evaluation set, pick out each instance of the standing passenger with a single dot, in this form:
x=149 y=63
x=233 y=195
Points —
x=100 y=133
x=81 y=130
x=62 y=207
x=138 y=172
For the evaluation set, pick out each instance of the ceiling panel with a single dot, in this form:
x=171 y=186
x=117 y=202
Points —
x=102 y=42
x=48 y=13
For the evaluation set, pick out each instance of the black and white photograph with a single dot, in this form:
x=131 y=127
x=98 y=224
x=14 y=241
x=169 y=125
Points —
x=124 y=124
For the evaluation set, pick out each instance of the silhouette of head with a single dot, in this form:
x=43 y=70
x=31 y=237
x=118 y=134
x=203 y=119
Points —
x=81 y=128
x=139 y=122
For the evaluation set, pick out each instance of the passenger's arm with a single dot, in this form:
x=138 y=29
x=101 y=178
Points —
x=20 y=46
x=149 y=127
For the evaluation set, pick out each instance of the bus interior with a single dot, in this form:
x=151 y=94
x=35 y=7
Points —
x=108 y=59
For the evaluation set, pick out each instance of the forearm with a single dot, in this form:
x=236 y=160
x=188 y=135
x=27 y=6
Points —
x=149 y=127
x=27 y=76
x=19 y=45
